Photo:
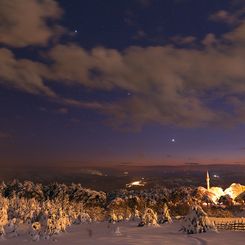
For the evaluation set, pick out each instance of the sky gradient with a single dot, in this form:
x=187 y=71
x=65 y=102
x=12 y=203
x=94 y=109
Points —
x=110 y=82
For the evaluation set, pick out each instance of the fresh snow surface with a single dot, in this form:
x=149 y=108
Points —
x=128 y=233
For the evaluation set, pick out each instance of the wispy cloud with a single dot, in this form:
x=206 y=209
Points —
x=223 y=16
x=228 y=17
x=184 y=40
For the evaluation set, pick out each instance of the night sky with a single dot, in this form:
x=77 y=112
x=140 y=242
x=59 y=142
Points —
x=122 y=81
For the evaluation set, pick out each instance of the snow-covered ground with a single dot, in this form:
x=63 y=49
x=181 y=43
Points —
x=129 y=233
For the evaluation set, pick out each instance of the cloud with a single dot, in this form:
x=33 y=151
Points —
x=209 y=40
x=29 y=22
x=223 y=16
x=168 y=85
x=186 y=40
x=23 y=74
x=238 y=35
x=227 y=17
x=81 y=104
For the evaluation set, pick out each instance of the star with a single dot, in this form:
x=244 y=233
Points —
x=173 y=140
x=129 y=94
x=75 y=31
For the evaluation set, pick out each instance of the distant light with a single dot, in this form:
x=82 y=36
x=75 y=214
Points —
x=136 y=183
x=216 y=176
x=75 y=31
x=173 y=140
x=129 y=94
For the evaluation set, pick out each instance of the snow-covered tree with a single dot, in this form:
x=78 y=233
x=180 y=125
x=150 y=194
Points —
x=3 y=215
x=112 y=217
x=149 y=218
x=164 y=216
x=197 y=221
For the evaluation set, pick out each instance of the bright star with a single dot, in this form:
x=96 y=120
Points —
x=173 y=140
x=75 y=31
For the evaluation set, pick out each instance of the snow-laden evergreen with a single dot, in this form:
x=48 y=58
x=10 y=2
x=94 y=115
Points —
x=197 y=221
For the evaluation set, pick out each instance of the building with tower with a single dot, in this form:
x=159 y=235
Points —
x=208 y=181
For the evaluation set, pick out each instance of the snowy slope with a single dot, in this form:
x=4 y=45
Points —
x=129 y=233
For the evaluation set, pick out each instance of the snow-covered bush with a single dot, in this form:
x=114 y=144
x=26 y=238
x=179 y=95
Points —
x=197 y=221
x=35 y=231
x=149 y=218
x=112 y=217
x=10 y=228
x=136 y=215
x=82 y=218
